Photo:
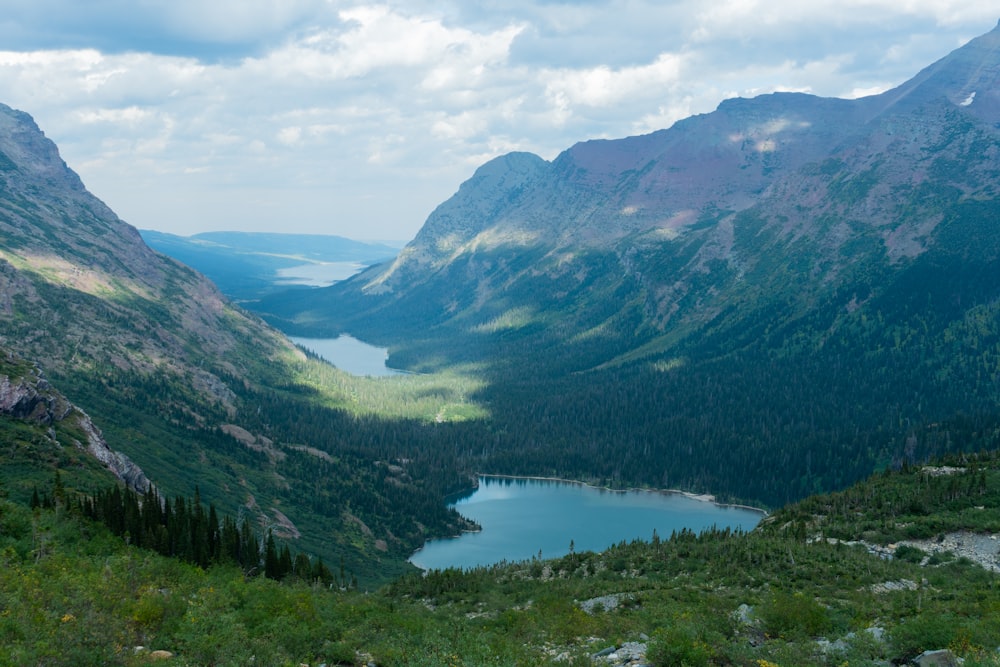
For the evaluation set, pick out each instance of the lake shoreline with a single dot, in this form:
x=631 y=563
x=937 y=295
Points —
x=702 y=497
x=494 y=485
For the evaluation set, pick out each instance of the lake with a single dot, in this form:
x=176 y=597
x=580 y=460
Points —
x=522 y=517
x=350 y=354
x=318 y=274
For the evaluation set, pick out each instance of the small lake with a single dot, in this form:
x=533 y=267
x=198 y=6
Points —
x=318 y=274
x=350 y=354
x=522 y=517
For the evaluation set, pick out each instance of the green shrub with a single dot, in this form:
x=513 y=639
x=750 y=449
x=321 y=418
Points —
x=680 y=645
x=792 y=616
x=922 y=633
x=909 y=554
x=941 y=557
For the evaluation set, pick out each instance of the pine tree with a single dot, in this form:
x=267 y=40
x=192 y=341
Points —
x=214 y=536
x=285 y=564
x=249 y=556
x=272 y=564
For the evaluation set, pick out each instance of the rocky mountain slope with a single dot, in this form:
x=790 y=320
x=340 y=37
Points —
x=687 y=215
x=196 y=391
x=69 y=262
x=26 y=396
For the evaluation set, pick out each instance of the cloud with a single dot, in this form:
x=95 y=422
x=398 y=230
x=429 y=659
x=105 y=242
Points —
x=603 y=86
x=206 y=30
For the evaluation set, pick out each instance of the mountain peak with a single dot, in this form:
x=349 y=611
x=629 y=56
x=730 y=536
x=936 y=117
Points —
x=789 y=163
x=24 y=148
x=58 y=237
x=968 y=77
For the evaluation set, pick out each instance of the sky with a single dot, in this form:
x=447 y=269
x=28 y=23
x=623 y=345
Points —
x=358 y=119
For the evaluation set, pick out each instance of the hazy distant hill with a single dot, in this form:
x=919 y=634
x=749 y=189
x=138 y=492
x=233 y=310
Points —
x=247 y=265
x=769 y=299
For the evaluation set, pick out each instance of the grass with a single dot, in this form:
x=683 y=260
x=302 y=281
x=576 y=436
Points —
x=431 y=397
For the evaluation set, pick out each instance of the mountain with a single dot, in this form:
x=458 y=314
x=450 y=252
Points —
x=767 y=300
x=80 y=288
x=118 y=350
x=247 y=265
x=800 y=167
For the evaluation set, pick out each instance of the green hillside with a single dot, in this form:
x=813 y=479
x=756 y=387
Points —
x=828 y=581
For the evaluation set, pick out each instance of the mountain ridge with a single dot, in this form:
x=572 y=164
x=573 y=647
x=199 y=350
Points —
x=690 y=181
x=769 y=300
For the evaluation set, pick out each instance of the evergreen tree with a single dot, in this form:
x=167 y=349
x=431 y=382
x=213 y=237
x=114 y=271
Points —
x=272 y=564
x=285 y=564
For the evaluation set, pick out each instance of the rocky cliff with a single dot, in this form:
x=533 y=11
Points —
x=26 y=395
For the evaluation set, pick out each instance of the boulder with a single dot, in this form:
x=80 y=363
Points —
x=940 y=658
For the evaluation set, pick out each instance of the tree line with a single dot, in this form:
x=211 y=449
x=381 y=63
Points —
x=184 y=529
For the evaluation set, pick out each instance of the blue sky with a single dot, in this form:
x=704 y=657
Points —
x=357 y=119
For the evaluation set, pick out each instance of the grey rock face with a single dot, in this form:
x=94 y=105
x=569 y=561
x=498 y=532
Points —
x=31 y=398
x=119 y=464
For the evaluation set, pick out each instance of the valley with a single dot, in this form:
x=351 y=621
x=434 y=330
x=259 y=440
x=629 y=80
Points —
x=789 y=303
x=828 y=581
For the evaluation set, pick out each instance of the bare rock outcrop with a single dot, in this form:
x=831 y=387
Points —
x=30 y=397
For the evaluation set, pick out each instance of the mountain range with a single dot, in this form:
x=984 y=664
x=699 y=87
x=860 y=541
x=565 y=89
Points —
x=696 y=217
x=247 y=265
x=794 y=283
x=763 y=302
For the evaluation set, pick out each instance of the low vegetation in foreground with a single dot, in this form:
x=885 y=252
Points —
x=902 y=563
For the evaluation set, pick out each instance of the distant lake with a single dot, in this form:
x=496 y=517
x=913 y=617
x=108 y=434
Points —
x=350 y=354
x=522 y=517
x=321 y=274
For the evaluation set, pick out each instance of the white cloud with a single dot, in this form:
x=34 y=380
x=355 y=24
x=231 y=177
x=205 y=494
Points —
x=290 y=136
x=377 y=38
x=233 y=20
x=603 y=87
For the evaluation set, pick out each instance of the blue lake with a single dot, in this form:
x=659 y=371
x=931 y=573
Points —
x=350 y=354
x=522 y=517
